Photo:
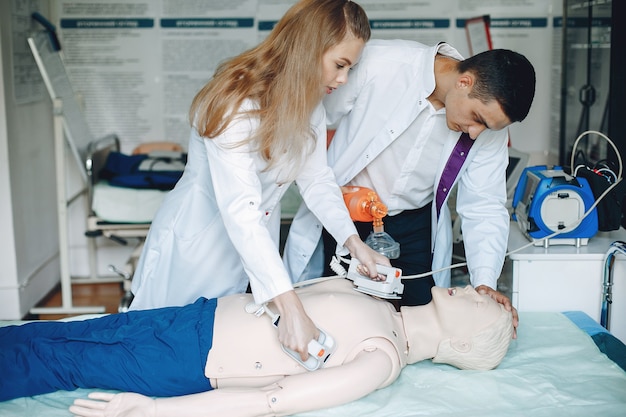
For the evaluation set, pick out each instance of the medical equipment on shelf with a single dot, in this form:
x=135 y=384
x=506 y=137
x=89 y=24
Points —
x=607 y=282
x=319 y=350
x=364 y=205
x=548 y=201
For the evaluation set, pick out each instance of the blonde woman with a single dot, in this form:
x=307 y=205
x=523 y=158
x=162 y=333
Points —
x=258 y=125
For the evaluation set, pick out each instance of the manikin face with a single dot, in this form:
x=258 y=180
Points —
x=463 y=311
x=338 y=60
x=470 y=115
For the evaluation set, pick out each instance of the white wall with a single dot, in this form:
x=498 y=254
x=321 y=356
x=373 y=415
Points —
x=29 y=243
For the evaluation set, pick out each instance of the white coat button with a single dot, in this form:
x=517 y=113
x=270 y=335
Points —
x=258 y=365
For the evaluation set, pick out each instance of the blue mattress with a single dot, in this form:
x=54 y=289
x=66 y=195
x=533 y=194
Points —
x=608 y=344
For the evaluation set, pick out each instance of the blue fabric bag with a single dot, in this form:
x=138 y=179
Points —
x=143 y=170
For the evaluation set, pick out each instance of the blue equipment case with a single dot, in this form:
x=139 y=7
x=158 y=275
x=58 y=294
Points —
x=549 y=200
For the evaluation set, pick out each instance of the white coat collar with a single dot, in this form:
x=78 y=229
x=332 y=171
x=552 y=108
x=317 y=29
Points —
x=396 y=107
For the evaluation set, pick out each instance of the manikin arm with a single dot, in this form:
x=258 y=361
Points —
x=326 y=387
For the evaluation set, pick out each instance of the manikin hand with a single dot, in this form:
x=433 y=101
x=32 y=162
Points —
x=295 y=328
x=502 y=299
x=102 y=404
x=367 y=256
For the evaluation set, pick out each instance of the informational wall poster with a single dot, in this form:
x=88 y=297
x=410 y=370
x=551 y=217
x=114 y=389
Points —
x=139 y=63
x=268 y=13
x=423 y=21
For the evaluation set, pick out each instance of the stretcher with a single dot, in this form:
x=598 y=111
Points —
x=120 y=213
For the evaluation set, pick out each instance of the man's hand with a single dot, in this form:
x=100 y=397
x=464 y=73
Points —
x=502 y=299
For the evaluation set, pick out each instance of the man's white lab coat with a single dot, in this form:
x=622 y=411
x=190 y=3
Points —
x=384 y=94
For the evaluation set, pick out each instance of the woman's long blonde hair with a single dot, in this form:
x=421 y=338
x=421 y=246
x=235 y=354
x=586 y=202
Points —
x=283 y=75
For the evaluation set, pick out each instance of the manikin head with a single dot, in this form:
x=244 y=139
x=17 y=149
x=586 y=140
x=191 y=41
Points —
x=473 y=330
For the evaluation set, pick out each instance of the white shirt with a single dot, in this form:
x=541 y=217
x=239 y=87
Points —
x=417 y=151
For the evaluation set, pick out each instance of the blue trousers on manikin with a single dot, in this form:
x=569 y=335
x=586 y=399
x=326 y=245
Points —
x=160 y=352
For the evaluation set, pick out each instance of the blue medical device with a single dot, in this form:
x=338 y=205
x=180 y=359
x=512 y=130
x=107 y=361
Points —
x=548 y=201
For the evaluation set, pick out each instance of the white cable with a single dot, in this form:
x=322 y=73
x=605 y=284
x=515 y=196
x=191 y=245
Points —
x=429 y=273
x=595 y=132
x=608 y=170
x=575 y=171
x=337 y=268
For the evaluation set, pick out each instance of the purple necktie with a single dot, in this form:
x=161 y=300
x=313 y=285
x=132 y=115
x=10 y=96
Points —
x=453 y=166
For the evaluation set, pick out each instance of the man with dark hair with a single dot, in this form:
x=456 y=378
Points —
x=406 y=109
x=505 y=76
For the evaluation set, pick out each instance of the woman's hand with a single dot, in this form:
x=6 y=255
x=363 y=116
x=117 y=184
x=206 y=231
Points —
x=102 y=404
x=367 y=256
x=295 y=328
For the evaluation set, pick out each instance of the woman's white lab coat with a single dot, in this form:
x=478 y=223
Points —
x=384 y=94
x=219 y=227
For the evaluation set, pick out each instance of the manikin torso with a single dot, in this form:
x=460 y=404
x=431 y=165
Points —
x=246 y=351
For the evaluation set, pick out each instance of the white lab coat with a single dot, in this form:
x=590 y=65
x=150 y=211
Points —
x=219 y=227
x=384 y=94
